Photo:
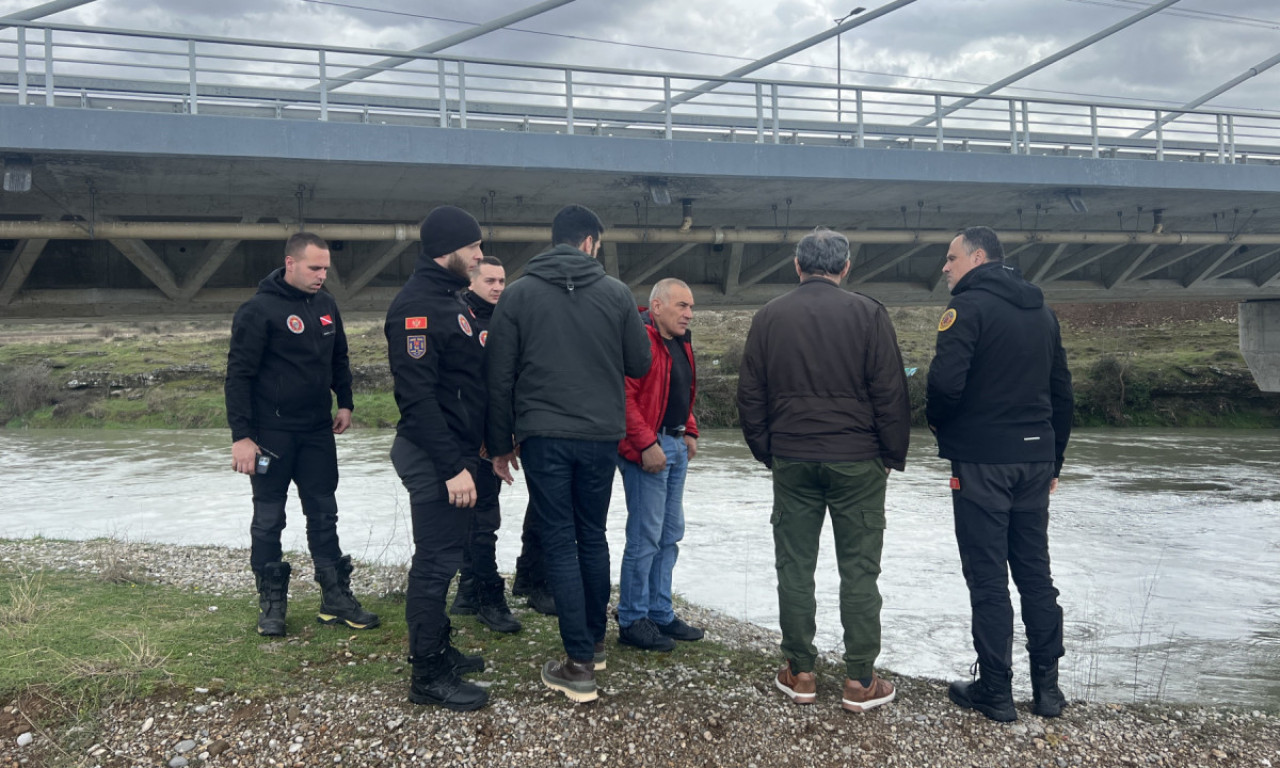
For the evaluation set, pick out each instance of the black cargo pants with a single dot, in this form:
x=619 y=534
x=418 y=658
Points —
x=310 y=461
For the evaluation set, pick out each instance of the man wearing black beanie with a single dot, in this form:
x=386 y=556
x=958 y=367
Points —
x=436 y=358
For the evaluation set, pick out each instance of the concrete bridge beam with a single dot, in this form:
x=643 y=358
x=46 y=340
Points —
x=1120 y=271
x=1260 y=341
x=24 y=258
x=662 y=259
x=1202 y=272
x=1082 y=259
x=389 y=253
x=1168 y=260
x=150 y=265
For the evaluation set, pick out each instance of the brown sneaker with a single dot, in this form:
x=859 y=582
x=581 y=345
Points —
x=859 y=699
x=800 y=687
x=575 y=679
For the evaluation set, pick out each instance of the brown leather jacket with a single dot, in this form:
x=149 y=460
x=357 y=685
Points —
x=822 y=379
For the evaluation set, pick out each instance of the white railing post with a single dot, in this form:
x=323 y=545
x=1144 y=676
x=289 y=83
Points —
x=1093 y=129
x=937 y=118
x=568 y=99
x=22 y=66
x=861 y=141
x=1159 y=135
x=1026 y=130
x=666 y=103
x=1013 y=128
x=1231 y=138
x=462 y=95
x=324 y=87
x=759 y=113
x=1222 y=144
x=773 y=92
x=193 y=99
x=48 y=68
x=444 y=94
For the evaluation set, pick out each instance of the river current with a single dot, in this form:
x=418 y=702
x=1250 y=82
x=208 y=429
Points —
x=1165 y=544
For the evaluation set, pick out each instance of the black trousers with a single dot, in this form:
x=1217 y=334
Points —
x=1002 y=527
x=310 y=461
x=531 y=565
x=439 y=536
x=480 y=556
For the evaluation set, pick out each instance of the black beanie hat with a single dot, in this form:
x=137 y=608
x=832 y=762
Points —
x=446 y=229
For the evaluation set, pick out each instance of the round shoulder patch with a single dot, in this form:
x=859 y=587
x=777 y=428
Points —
x=948 y=320
x=295 y=324
x=464 y=325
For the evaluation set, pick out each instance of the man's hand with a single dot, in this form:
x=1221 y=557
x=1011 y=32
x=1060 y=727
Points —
x=342 y=422
x=653 y=460
x=244 y=454
x=462 y=489
x=1053 y=485
x=691 y=443
x=502 y=466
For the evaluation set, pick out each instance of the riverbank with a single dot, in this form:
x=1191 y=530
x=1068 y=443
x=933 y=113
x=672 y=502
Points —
x=1134 y=364
x=132 y=654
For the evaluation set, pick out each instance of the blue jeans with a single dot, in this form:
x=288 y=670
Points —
x=655 y=525
x=570 y=482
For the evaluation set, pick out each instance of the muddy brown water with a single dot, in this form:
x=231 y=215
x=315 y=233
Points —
x=1165 y=544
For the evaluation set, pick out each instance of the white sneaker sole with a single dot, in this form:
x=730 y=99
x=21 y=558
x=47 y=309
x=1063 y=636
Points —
x=580 y=697
x=863 y=706
x=796 y=698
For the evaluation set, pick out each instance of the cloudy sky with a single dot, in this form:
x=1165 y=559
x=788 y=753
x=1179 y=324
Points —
x=958 y=45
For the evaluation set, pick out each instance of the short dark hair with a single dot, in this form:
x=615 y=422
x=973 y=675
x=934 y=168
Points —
x=492 y=261
x=298 y=242
x=984 y=238
x=574 y=224
x=822 y=252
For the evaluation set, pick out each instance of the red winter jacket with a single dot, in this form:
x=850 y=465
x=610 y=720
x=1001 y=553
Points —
x=647 y=396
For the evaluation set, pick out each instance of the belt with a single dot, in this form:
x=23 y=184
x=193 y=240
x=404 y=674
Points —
x=672 y=431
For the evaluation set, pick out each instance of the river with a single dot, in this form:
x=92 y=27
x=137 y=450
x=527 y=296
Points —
x=1165 y=544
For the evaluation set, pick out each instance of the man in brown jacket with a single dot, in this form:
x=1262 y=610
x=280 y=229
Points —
x=822 y=398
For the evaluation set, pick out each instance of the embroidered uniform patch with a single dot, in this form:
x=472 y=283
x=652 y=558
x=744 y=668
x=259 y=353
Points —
x=948 y=320
x=415 y=323
x=463 y=324
x=326 y=320
x=416 y=346
x=295 y=324
x=484 y=338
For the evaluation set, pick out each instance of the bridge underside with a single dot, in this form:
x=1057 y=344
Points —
x=134 y=214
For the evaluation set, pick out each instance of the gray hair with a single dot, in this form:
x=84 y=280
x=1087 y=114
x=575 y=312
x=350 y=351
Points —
x=822 y=252
x=662 y=288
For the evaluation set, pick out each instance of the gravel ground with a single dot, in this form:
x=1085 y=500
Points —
x=665 y=717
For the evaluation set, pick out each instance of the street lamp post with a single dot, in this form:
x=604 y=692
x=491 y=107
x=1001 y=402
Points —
x=839 y=69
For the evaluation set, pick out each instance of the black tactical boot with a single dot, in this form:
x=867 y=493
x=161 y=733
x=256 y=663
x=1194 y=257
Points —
x=542 y=601
x=466 y=602
x=493 y=611
x=463 y=664
x=273 y=597
x=337 y=604
x=436 y=681
x=991 y=694
x=522 y=584
x=1046 y=698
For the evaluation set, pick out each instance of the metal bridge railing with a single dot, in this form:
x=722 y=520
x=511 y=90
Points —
x=99 y=68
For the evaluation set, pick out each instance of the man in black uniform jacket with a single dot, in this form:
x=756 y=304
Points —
x=288 y=352
x=437 y=359
x=480 y=586
x=1000 y=402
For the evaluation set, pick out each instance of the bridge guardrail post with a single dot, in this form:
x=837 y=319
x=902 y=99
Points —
x=568 y=100
x=1013 y=128
x=666 y=104
x=1231 y=138
x=1159 y=135
x=1093 y=130
x=773 y=92
x=1222 y=144
x=22 y=66
x=324 y=87
x=444 y=94
x=862 y=126
x=937 y=118
x=48 y=67
x=759 y=113
x=193 y=106
x=1026 y=130
x=462 y=95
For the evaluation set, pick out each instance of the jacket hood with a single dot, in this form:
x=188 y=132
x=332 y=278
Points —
x=566 y=267
x=478 y=305
x=274 y=283
x=1004 y=281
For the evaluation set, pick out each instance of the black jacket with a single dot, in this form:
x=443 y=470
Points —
x=999 y=388
x=821 y=379
x=288 y=352
x=564 y=337
x=436 y=358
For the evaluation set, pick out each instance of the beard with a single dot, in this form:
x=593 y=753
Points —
x=459 y=265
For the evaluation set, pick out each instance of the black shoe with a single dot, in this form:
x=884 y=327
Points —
x=273 y=598
x=435 y=681
x=990 y=694
x=466 y=601
x=337 y=604
x=542 y=601
x=522 y=585
x=497 y=616
x=575 y=679
x=644 y=635
x=678 y=630
x=463 y=664
x=1046 y=698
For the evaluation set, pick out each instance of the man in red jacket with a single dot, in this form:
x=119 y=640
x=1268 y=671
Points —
x=662 y=436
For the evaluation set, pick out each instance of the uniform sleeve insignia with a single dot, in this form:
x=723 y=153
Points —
x=416 y=346
x=484 y=338
x=295 y=324
x=326 y=320
x=463 y=324
x=948 y=320
x=415 y=323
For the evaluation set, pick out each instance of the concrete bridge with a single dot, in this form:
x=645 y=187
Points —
x=153 y=173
